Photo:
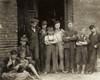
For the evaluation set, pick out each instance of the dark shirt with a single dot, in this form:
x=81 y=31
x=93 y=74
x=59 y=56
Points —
x=94 y=40
x=72 y=41
x=42 y=35
x=33 y=37
x=26 y=49
x=10 y=67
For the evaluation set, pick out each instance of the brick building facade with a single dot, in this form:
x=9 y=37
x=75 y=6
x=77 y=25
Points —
x=81 y=12
x=8 y=26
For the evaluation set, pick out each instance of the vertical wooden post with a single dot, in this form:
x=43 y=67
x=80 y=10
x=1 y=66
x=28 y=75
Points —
x=36 y=7
x=65 y=13
x=68 y=12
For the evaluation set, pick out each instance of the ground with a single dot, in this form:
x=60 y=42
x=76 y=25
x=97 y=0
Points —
x=69 y=76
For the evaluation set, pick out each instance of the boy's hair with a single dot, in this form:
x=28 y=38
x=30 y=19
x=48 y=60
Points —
x=56 y=22
x=13 y=52
x=91 y=27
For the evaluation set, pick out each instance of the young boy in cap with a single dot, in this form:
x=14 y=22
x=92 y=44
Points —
x=42 y=35
x=81 y=53
x=59 y=47
x=50 y=42
x=94 y=43
x=24 y=47
x=34 y=42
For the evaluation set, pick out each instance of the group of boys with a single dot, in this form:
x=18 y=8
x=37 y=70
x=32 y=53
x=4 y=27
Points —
x=68 y=50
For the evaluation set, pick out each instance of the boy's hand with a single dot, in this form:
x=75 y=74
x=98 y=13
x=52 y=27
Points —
x=67 y=37
x=95 y=46
x=9 y=62
x=28 y=57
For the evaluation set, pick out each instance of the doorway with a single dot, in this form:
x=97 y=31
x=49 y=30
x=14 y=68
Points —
x=27 y=9
x=51 y=10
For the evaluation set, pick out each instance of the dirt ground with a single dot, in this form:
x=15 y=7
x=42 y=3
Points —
x=69 y=76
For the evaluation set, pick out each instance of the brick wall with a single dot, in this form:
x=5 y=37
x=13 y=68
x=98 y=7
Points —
x=8 y=26
x=86 y=12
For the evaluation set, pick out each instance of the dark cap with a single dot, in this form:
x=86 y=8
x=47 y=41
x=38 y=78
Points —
x=44 y=22
x=91 y=27
x=34 y=20
x=13 y=52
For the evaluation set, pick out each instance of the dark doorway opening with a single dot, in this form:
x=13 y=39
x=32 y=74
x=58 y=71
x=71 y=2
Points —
x=50 y=10
x=27 y=9
x=43 y=9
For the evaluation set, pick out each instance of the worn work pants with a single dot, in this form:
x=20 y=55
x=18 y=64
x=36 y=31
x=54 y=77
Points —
x=42 y=56
x=50 y=54
x=69 y=58
x=91 y=66
x=60 y=55
x=35 y=56
x=81 y=55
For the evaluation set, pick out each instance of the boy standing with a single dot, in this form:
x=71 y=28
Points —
x=59 y=47
x=42 y=34
x=81 y=53
x=50 y=41
x=69 y=39
x=94 y=43
x=34 y=42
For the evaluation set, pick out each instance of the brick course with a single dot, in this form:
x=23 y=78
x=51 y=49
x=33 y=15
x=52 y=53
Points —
x=8 y=31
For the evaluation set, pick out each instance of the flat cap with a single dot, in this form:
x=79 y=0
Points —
x=44 y=22
x=34 y=20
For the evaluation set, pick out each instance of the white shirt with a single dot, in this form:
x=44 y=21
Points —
x=59 y=34
x=34 y=29
x=50 y=39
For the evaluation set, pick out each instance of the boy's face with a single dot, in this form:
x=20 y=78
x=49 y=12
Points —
x=57 y=26
x=22 y=55
x=93 y=30
x=50 y=32
x=34 y=24
x=44 y=26
x=83 y=32
x=14 y=56
x=70 y=25
x=24 y=35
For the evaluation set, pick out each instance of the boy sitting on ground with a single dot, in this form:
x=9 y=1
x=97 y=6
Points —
x=26 y=64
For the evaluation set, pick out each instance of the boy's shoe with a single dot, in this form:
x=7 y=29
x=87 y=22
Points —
x=78 y=72
x=86 y=72
x=55 y=72
x=73 y=71
x=82 y=72
x=45 y=72
x=90 y=72
x=65 y=72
